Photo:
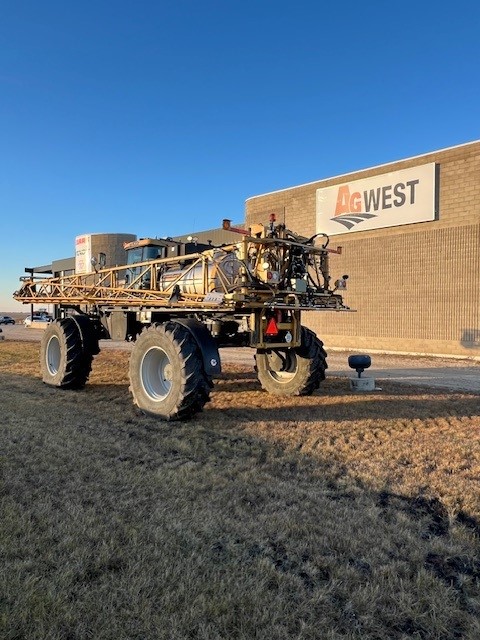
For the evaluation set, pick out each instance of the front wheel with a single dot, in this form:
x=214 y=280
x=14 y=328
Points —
x=167 y=377
x=293 y=372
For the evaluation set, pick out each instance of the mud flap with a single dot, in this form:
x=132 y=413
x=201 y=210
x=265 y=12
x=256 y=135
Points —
x=206 y=343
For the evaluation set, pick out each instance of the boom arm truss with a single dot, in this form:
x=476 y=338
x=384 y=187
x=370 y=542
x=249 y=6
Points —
x=292 y=261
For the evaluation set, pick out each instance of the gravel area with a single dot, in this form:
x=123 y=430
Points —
x=447 y=373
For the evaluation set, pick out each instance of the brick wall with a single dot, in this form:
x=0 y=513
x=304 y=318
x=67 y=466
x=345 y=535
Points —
x=416 y=287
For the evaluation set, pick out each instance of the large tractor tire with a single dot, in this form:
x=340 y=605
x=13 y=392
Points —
x=66 y=353
x=293 y=372
x=89 y=334
x=323 y=358
x=167 y=376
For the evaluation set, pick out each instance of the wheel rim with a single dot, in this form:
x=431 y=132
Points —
x=281 y=365
x=53 y=355
x=156 y=374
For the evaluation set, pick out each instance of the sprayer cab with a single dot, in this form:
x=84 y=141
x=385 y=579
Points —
x=150 y=249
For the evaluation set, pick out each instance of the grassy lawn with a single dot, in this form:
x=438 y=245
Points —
x=331 y=516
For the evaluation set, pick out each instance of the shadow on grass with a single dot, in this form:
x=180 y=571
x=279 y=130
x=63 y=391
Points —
x=332 y=402
x=333 y=408
x=285 y=520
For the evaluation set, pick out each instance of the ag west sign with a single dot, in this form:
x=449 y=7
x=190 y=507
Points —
x=387 y=200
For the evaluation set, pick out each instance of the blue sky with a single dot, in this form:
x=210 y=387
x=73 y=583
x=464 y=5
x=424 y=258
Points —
x=161 y=118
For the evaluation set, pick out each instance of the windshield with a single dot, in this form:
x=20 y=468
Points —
x=134 y=255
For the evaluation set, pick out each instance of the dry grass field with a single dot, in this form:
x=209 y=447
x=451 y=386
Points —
x=331 y=516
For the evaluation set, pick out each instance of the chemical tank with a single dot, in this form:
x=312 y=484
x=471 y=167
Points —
x=219 y=273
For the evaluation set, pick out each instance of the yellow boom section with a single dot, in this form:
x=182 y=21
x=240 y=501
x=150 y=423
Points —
x=227 y=278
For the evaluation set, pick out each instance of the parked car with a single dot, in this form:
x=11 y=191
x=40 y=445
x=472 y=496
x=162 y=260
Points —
x=6 y=320
x=35 y=318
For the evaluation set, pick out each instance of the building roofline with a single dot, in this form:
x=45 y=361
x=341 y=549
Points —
x=377 y=166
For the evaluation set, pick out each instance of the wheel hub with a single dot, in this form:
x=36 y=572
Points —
x=282 y=364
x=53 y=355
x=156 y=374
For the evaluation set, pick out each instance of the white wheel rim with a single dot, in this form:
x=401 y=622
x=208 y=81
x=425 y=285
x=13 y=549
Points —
x=281 y=376
x=53 y=355
x=156 y=374
x=285 y=374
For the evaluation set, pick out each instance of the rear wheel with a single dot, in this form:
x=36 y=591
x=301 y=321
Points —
x=65 y=358
x=167 y=377
x=293 y=372
x=88 y=333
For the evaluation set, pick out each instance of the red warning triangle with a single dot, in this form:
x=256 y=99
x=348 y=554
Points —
x=272 y=329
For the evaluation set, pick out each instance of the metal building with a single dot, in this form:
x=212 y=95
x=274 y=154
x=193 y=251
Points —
x=410 y=237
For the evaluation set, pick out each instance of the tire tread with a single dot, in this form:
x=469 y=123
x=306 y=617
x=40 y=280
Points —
x=195 y=384
x=311 y=366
